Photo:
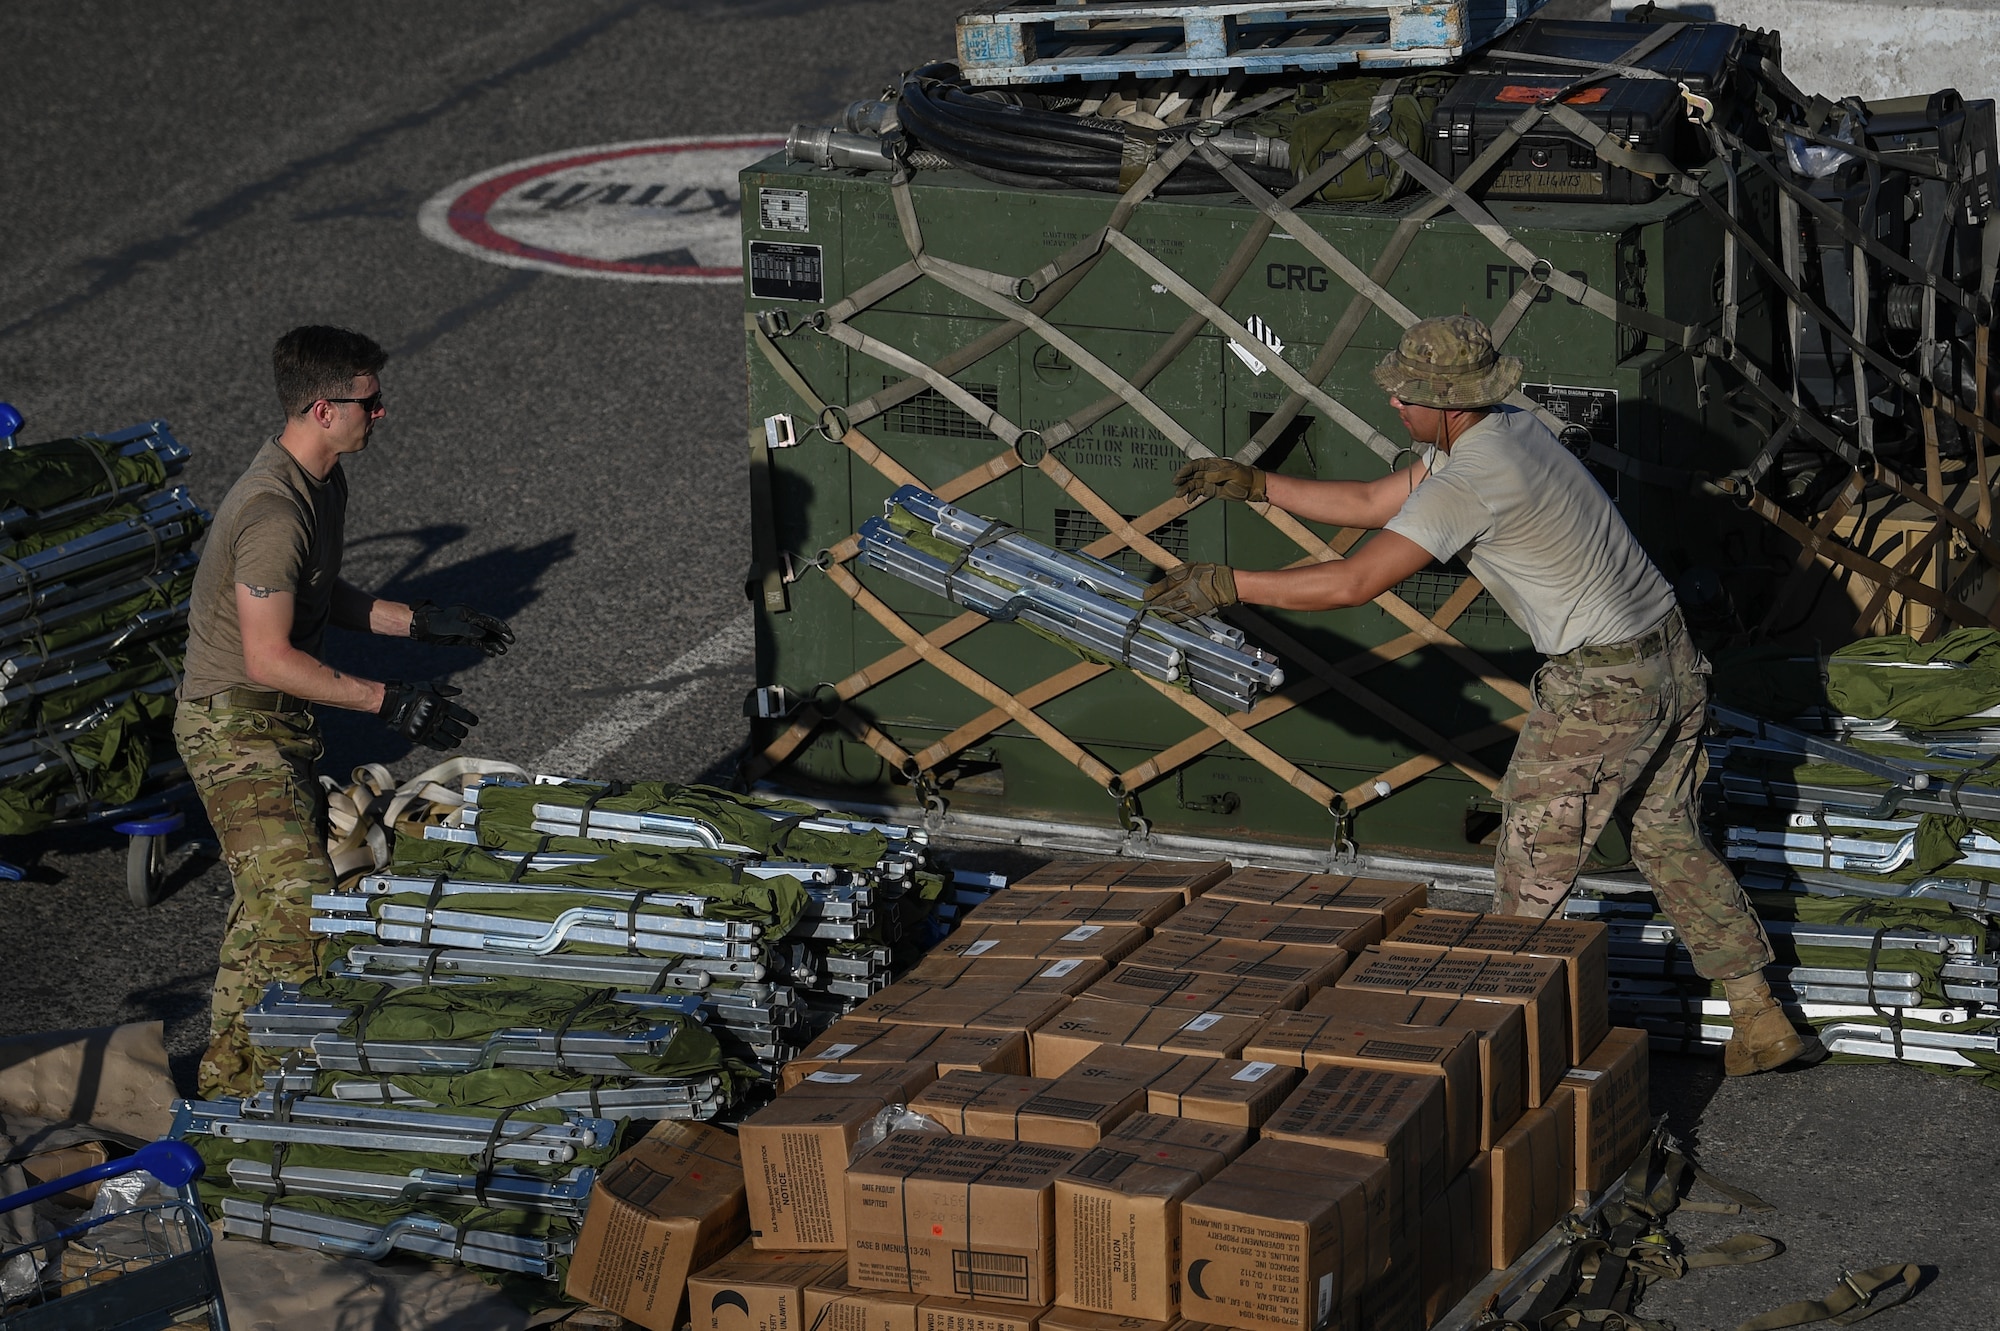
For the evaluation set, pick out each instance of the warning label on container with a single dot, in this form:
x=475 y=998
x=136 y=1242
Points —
x=659 y=210
x=1590 y=416
x=784 y=210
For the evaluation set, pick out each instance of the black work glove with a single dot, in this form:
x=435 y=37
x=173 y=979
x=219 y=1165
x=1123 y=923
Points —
x=459 y=626
x=1219 y=478
x=425 y=713
x=1191 y=591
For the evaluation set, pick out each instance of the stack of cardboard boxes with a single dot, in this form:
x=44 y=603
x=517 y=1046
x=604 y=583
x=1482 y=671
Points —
x=1152 y=1094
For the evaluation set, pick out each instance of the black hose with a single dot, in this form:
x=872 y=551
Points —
x=1016 y=146
x=923 y=115
x=1040 y=124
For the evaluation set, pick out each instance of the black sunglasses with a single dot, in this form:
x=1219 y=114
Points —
x=367 y=404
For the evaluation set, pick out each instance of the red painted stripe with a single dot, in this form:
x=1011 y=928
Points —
x=467 y=214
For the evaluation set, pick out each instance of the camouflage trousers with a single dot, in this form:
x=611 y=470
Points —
x=1604 y=740
x=253 y=770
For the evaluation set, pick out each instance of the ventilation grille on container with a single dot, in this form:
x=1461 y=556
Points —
x=1429 y=591
x=932 y=413
x=1076 y=528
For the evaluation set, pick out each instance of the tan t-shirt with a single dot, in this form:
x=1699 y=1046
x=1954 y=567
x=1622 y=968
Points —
x=1533 y=524
x=277 y=528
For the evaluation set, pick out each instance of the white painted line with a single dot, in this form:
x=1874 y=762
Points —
x=733 y=644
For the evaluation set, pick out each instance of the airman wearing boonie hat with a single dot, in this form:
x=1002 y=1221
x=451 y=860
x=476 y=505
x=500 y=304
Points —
x=1620 y=703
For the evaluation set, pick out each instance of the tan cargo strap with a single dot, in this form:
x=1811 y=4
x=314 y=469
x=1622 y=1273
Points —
x=1859 y=1295
x=1025 y=304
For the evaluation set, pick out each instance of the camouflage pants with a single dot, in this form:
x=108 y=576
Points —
x=253 y=770
x=1624 y=738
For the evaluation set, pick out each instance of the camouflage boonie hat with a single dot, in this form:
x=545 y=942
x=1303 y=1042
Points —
x=1448 y=363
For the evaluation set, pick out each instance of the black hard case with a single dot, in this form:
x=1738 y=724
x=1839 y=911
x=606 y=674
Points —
x=1552 y=165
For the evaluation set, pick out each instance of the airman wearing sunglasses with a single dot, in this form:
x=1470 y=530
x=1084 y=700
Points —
x=268 y=586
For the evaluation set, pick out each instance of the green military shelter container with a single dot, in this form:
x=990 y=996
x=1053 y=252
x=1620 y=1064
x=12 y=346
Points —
x=814 y=238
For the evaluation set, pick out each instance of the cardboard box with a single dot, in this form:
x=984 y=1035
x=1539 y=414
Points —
x=1271 y=1248
x=1536 y=984
x=1563 y=1105
x=751 y=1290
x=1142 y=1131
x=1101 y=1091
x=1582 y=946
x=849 y=1044
x=1322 y=891
x=1231 y=1091
x=1396 y=1115
x=1075 y=876
x=1118 y=1223
x=1075 y=1109
x=1525 y=1183
x=1450 y=1260
x=795 y=1152
x=978 y=1104
x=1188 y=878
x=1059 y=941
x=1194 y=993
x=941 y=1314
x=1089 y=1023
x=961 y=1217
x=59 y=1162
x=1501 y=1029
x=1059 y=1318
x=979 y=1051
x=895 y=1083
x=670 y=1205
x=1350 y=930
x=1613 y=1107
x=1069 y=975
x=1310 y=1042
x=1113 y=907
x=1313 y=967
x=968 y=1006
x=1394 y=1301
x=835 y=1305
x=1389 y=1231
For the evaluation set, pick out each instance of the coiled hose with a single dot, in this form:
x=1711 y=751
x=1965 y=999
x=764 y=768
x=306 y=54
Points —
x=1034 y=149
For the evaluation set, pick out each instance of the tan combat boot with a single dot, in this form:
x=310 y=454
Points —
x=1762 y=1036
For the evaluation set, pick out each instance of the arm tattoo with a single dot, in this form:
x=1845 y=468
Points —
x=259 y=592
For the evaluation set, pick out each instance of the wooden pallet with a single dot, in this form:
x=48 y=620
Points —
x=1099 y=39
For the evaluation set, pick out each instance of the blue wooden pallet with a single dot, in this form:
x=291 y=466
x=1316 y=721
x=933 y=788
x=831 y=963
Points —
x=1101 y=39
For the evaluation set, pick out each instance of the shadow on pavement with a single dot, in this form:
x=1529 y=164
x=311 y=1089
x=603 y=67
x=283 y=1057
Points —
x=500 y=582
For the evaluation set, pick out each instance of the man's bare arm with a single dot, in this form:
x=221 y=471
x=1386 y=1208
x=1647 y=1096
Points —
x=265 y=616
x=364 y=612
x=1368 y=504
x=1385 y=560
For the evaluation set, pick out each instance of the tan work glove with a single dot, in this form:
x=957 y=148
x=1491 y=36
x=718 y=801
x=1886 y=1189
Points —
x=1191 y=591
x=1219 y=478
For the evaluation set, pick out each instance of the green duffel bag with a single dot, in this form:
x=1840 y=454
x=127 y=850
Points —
x=1324 y=118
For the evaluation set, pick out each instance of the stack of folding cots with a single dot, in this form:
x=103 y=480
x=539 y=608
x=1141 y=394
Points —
x=95 y=570
x=1094 y=608
x=454 y=1114
x=1124 y=1095
x=1866 y=806
x=501 y=1191
x=775 y=916
x=1870 y=845
x=1909 y=980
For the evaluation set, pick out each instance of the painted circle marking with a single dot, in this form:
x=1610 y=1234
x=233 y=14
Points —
x=656 y=210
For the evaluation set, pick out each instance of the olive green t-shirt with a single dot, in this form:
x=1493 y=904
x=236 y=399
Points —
x=277 y=528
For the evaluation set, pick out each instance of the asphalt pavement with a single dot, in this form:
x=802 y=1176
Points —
x=181 y=184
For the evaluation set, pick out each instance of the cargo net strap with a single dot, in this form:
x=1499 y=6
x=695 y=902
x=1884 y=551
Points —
x=1026 y=304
